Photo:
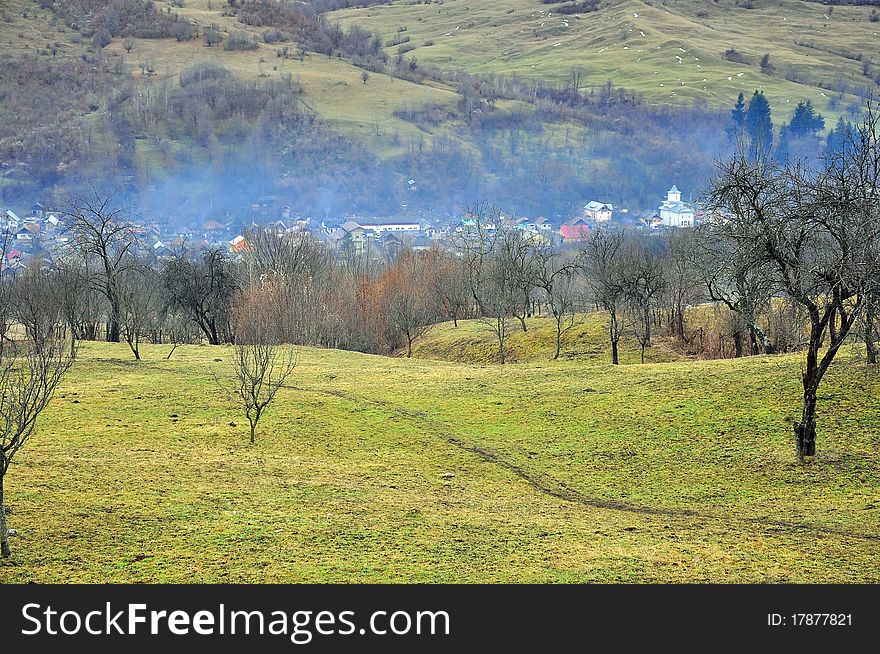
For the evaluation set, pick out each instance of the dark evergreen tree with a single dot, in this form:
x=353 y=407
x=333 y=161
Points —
x=759 y=126
x=783 y=147
x=737 y=119
x=806 y=122
x=839 y=136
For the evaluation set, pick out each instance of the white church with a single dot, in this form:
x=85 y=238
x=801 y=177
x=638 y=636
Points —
x=674 y=212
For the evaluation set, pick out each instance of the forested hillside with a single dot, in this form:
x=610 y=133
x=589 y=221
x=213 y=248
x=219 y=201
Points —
x=197 y=107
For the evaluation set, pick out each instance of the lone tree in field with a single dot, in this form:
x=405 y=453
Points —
x=29 y=374
x=260 y=365
x=818 y=234
x=103 y=232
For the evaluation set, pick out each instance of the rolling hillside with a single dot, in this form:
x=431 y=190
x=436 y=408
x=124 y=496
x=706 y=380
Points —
x=669 y=51
x=536 y=157
x=376 y=469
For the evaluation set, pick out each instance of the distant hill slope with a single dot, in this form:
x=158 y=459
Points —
x=362 y=137
x=670 y=51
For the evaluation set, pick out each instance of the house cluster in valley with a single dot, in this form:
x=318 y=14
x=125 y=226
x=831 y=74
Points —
x=42 y=233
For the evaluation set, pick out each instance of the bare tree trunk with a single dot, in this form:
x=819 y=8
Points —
x=502 y=355
x=870 y=344
x=4 y=531
x=805 y=431
x=114 y=328
x=409 y=342
x=615 y=359
x=558 y=339
x=738 y=343
x=759 y=336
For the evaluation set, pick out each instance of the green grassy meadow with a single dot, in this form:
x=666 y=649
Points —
x=379 y=469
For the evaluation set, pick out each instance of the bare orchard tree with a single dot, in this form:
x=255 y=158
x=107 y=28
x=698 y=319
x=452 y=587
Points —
x=105 y=234
x=448 y=282
x=488 y=249
x=869 y=326
x=80 y=302
x=817 y=232
x=28 y=378
x=644 y=281
x=520 y=252
x=35 y=304
x=300 y=264
x=737 y=277
x=407 y=302
x=558 y=276
x=601 y=259
x=260 y=364
x=201 y=286
x=139 y=294
x=683 y=281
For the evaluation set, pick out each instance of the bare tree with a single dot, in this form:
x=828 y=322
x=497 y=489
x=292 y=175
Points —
x=735 y=276
x=104 y=231
x=869 y=324
x=818 y=233
x=519 y=255
x=260 y=365
x=407 y=301
x=301 y=266
x=601 y=259
x=644 y=281
x=80 y=303
x=448 y=281
x=488 y=249
x=35 y=304
x=557 y=275
x=139 y=286
x=28 y=379
x=202 y=288
x=684 y=286
x=576 y=76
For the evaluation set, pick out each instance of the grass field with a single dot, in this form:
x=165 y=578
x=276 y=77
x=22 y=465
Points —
x=669 y=51
x=385 y=469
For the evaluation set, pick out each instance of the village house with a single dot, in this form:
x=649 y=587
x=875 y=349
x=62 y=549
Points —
x=674 y=212
x=575 y=230
x=399 y=227
x=238 y=245
x=598 y=212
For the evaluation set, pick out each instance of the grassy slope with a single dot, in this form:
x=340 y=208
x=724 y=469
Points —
x=473 y=341
x=664 y=50
x=567 y=471
x=333 y=88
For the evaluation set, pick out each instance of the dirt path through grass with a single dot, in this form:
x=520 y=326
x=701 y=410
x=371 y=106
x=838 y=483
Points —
x=546 y=485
